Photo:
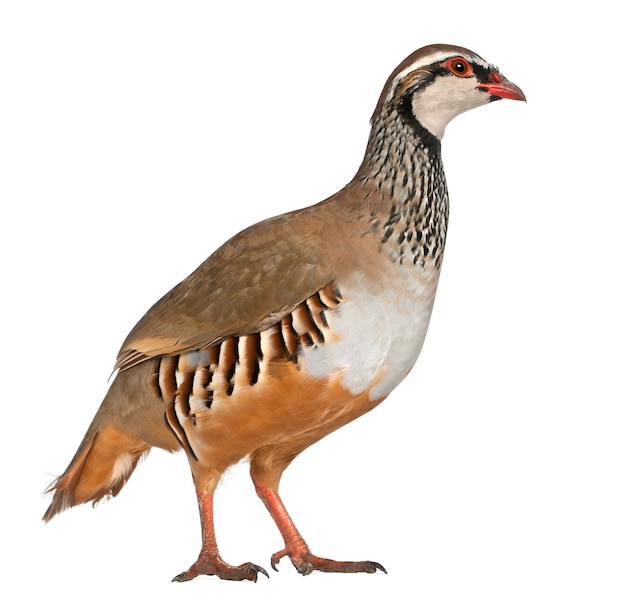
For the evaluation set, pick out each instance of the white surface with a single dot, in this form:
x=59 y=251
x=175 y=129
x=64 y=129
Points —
x=137 y=136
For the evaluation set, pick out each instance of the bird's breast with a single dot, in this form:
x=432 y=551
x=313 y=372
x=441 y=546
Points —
x=377 y=331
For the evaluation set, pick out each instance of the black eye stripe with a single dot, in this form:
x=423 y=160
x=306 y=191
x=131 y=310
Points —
x=482 y=73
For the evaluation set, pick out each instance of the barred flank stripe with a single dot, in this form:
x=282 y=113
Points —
x=290 y=337
x=177 y=428
x=249 y=357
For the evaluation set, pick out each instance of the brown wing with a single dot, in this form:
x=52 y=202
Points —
x=252 y=281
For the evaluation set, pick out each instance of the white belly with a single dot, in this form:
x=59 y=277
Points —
x=376 y=338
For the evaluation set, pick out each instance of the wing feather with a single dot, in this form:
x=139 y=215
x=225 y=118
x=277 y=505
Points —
x=249 y=283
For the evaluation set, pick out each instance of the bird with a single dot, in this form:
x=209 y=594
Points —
x=295 y=326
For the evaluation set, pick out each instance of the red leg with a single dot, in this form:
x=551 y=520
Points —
x=296 y=548
x=209 y=561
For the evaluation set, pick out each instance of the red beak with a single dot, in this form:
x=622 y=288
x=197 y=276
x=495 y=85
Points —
x=503 y=88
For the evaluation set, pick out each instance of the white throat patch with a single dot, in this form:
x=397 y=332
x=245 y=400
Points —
x=440 y=102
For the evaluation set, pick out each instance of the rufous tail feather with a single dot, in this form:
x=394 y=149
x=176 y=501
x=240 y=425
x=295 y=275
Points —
x=100 y=468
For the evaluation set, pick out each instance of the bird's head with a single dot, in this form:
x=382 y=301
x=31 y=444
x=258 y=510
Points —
x=436 y=83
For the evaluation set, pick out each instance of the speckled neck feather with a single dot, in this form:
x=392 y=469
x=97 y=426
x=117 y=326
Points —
x=403 y=160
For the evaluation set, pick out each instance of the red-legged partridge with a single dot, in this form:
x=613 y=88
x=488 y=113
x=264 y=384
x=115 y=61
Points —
x=297 y=325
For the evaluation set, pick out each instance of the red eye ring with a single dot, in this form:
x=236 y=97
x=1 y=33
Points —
x=459 y=66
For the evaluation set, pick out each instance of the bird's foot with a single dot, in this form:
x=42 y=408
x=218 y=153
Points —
x=305 y=562
x=214 y=565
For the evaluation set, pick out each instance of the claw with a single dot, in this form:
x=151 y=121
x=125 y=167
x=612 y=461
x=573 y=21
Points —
x=261 y=570
x=377 y=566
x=276 y=558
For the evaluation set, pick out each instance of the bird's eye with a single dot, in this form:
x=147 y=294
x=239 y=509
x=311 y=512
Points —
x=459 y=66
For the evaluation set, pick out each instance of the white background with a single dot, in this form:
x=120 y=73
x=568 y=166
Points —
x=135 y=137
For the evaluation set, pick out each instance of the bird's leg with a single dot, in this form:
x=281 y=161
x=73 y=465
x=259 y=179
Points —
x=295 y=546
x=209 y=561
